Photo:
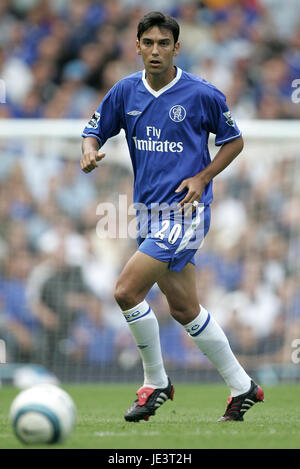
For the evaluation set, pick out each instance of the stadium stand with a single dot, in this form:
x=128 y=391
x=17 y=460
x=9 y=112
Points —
x=56 y=274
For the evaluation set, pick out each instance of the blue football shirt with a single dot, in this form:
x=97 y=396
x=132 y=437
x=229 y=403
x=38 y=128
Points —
x=166 y=131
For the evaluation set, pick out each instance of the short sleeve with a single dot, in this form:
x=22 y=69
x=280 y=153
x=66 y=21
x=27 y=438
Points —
x=218 y=118
x=107 y=119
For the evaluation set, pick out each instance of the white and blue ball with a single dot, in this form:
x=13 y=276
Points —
x=43 y=414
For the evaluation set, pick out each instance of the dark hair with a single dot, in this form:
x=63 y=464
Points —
x=156 y=18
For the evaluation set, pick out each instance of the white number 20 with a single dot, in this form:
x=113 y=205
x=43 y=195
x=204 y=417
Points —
x=174 y=233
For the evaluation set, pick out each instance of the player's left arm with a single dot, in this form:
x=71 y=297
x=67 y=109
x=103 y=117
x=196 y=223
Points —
x=196 y=184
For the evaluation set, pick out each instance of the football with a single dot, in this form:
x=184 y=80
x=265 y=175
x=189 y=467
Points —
x=42 y=414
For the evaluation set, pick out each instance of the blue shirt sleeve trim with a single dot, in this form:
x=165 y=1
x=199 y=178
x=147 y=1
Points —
x=219 y=142
x=84 y=135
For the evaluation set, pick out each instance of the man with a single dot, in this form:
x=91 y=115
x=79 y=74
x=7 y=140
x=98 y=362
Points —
x=167 y=115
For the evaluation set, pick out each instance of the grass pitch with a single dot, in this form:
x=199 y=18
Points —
x=188 y=422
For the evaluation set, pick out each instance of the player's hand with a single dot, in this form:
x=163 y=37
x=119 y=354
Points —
x=89 y=160
x=195 y=186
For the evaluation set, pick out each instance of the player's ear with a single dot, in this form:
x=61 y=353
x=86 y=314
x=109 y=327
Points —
x=138 y=47
x=176 y=48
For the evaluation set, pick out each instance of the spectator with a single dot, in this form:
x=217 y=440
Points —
x=253 y=43
x=55 y=296
x=62 y=295
x=20 y=328
x=92 y=340
x=74 y=192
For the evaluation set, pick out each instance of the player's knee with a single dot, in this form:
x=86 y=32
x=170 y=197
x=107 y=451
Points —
x=124 y=297
x=179 y=316
x=184 y=315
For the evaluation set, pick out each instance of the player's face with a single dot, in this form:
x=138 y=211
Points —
x=157 y=48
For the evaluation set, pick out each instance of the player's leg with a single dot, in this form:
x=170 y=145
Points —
x=181 y=294
x=179 y=287
x=138 y=276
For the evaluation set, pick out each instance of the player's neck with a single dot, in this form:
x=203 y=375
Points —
x=158 y=81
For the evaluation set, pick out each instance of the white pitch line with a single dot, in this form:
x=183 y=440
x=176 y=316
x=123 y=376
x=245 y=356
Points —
x=104 y=434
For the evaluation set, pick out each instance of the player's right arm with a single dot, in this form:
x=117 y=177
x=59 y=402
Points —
x=105 y=123
x=90 y=154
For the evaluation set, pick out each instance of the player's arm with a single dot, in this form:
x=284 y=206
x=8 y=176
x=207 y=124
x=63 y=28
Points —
x=227 y=153
x=196 y=184
x=105 y=123
x=90 y=154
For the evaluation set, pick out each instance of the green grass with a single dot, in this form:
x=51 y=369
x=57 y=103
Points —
x=186 y=423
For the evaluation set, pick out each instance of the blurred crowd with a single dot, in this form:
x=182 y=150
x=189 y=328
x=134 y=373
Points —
x=58 y=58
x=58 y=266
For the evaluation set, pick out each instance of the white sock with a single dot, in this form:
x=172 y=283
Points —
x=145 y=330
x=211 y=340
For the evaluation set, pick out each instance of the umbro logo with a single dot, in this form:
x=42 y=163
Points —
x=161 y=245
x=134 y=113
